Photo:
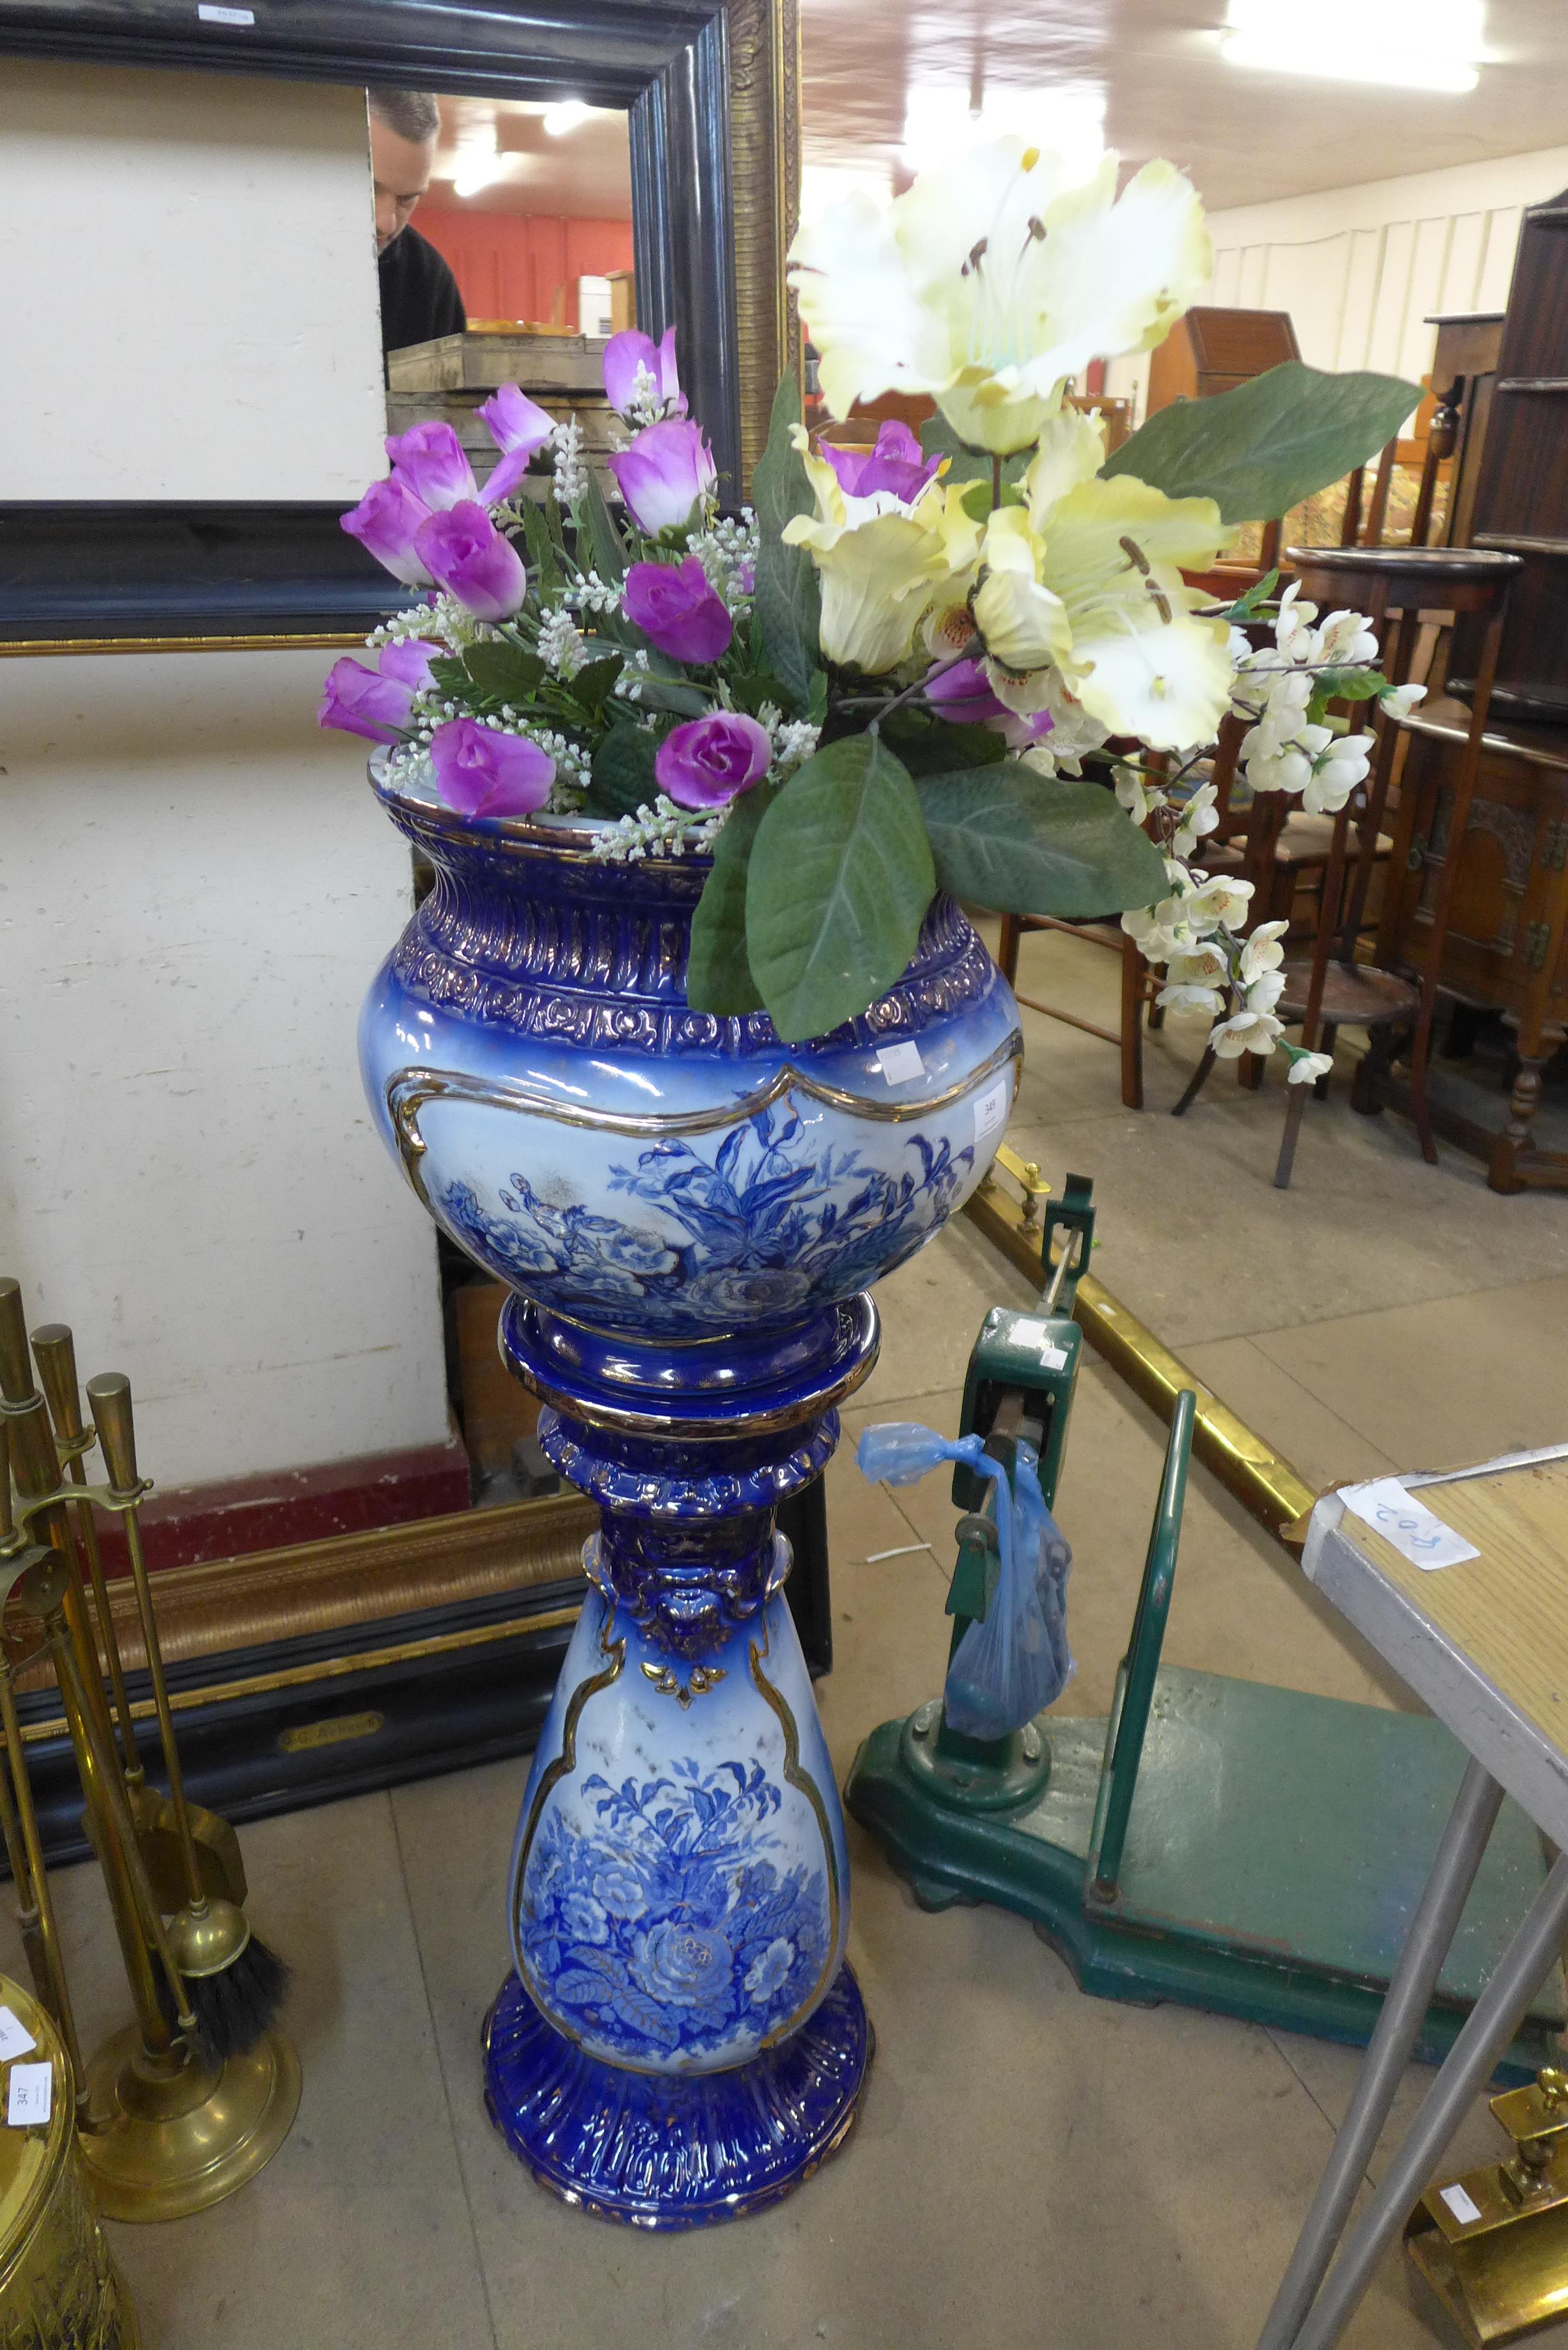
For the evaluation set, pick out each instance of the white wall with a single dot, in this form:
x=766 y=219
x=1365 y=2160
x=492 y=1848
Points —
x=196 y=886
x=187 y=286
x=1361 y=269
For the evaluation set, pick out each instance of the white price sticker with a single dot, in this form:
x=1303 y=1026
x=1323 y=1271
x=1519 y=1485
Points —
x=1464 y=2207
x=31 y=2095
x=1408 y=1524
x=14 y=2037
x=1037 y=1334
x=991 y=1109
x=209 y=15
x=899 y=1063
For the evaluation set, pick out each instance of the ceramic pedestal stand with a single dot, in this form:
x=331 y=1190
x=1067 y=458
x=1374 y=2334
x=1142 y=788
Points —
x=679 y=1892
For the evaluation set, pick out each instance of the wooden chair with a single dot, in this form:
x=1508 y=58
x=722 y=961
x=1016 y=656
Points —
x=1138 y=989
x=1332 y=988
x=1140 y=986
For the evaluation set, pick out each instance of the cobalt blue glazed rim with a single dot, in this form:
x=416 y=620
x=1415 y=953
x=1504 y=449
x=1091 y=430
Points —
x=669 y=2151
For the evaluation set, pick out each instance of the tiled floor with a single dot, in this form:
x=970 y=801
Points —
x=1033 y=2167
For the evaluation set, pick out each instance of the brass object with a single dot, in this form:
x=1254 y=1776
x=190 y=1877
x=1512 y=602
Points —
x=180 y=2141
x=438 y=1644
x=333 y=1731
x=157 y=1829
x=23 y=648
x=1030 y=1181
x=1493 y=2245
x=165 y=2130
x=1245 y=1462
x=209 y=1931
x=58 y=2284
x=341 y=1583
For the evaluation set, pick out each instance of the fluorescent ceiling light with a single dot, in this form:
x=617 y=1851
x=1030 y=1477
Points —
x=941 y=119
x=1400 y=44
x=563 y=117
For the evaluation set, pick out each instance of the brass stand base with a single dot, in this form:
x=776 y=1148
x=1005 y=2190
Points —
x=177 y=2144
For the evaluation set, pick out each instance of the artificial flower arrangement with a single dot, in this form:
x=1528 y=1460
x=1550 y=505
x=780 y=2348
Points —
x=885 y=677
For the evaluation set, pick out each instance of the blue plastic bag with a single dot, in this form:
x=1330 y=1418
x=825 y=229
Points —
x=1015 y=1663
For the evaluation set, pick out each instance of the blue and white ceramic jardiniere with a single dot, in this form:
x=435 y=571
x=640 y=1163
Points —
x=687 y=1213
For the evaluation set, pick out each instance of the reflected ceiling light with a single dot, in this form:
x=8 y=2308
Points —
x=563 y=117
x=941 y=118
x=1400 y=44
x=477 y=168
x=823 y=185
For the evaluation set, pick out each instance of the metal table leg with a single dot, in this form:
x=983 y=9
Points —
x=1488 y=2029
x=1415 y=1979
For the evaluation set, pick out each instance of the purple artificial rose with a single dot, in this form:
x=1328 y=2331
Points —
x=894 y=463
x=358 y=700
x=665 y=475
x=469 y=558
x=519 y=430
x=677 y=609
x=479 y=771
x=428 y=460
x=408 y=660
x=624 y=354
x=963 y=696
x=708 y=762
x=514 y=421
x=387 y=522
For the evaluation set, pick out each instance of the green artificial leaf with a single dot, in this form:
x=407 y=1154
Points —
x=840 y=878
x=1342 y=685
x=594 y=682
x=749 y=694
x=450 y=677
x=1258 y=594
x=1022 y=843
x=1262 y=449
x=667 y=694
x=623 y=773
x=503 y=671
x=540 y=545
x=718 y=975
x=935 y=747
x=976 y=501
x=604 y=539
x=938 y=439
x=787 y=598
x=817 y=699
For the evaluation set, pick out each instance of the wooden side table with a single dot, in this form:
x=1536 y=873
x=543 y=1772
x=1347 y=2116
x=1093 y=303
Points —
x=1484 y=1642
x=1505 y=946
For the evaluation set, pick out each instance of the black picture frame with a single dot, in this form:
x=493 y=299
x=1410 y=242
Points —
x=712 y=92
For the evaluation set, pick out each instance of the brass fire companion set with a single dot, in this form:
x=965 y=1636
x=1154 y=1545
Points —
x=200 y=2090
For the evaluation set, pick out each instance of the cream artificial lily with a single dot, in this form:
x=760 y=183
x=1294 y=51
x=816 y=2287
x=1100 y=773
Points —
x=878 y=559
x=990 y=282
x=1084 y=580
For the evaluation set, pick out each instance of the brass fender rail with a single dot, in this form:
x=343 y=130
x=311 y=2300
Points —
x=1244 y=1462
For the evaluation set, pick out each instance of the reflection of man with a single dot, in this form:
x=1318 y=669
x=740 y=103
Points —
x=419 y=293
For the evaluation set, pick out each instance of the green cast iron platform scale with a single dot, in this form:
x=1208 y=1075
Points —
x=1250 y=1850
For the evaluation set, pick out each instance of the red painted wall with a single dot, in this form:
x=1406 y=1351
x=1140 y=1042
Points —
x=511 y=264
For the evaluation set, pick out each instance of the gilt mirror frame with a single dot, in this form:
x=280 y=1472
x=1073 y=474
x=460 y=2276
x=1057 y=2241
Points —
x=712 y=88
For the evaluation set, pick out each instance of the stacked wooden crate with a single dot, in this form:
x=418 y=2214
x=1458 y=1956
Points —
x=448 y=381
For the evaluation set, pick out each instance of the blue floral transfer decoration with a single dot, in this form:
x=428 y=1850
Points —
x=674 y=1934
x=761 y=1229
